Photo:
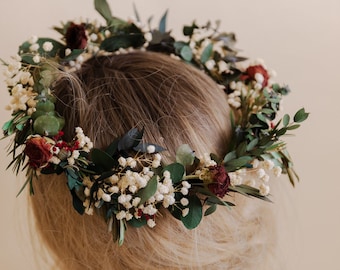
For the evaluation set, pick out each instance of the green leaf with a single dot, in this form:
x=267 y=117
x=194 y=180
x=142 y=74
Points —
x=241 y=149
x=186 y=53
x=293 y=127
x=131 y=139
x=102 y=160
x=210 y=210
x=122 y=230
x=103 y=8
x=6 y=126
x=267 y=111
x=206 y=53
x=216 y=200
x=261 y=117
x=137 y=223
x=148 y=191
x=194 y=217
x=300 y=116
x=252 y=144
x=77 y=203
x=162 y=23
x=176 y=170
x=189 y=30
x=114 y=43
x=185 y=155
x=112 y=148
x=230 y=156
x=248 y=191
x=73 y=55
x=57 y=47
x=72 y=179
x=285 y=120
x=237 y=163
x=281 y=132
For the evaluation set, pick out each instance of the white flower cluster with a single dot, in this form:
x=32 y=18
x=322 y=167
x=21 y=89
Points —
x=257 y=177
x=20 y=82
x=240 y=89
x=199 y=41
x=69 y=154
x=85 y=143
x=126 y=183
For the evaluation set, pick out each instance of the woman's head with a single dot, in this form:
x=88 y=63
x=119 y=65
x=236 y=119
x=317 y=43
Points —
x=175 y=104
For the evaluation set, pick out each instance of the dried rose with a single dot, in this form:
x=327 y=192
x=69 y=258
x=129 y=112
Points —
x=76 y=36
x=220 y=180
x=38 y=151
x=250 y=74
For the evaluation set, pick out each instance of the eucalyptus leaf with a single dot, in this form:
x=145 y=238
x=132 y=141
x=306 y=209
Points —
x=194 y=217
x=6 y=126
x=186 y=53
x=300 y=116
x=72 y=179
x=285 y=120
x=147 y=192
x=206 y=54
x=185 y=155
x=131 y=139
x=176 y=170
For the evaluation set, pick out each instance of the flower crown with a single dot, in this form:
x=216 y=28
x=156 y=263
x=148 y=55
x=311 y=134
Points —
x=128 y=180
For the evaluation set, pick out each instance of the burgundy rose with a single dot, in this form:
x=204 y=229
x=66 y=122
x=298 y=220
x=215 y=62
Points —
x=38 y=151
x=251 y=72
x=220 y=180
x=76 y=36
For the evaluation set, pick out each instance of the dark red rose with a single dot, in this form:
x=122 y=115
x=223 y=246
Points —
x=38 y=151
x=250 y=72
x=76 y=36
x=220 y=180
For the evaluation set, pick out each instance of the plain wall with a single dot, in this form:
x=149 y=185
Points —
x=300 y=39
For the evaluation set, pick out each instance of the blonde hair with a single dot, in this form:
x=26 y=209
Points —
x=175 y=104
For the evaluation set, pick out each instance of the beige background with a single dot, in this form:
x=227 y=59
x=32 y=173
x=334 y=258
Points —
x=300 y=39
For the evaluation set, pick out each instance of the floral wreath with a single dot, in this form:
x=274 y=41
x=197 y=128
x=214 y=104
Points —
x=128 y=180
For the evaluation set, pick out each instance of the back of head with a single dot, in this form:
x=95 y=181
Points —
x=172 y=101
x=175 y=104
